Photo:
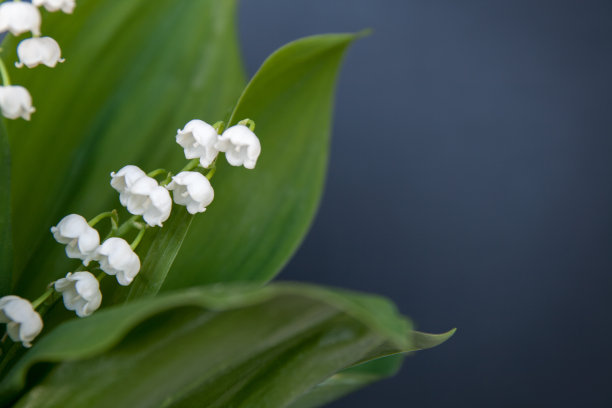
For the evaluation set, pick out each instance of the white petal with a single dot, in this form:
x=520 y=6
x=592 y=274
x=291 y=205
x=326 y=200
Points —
x=241 y=146
x=19 y=17
x=67 y=6
x=15 y=102
x=39 y=50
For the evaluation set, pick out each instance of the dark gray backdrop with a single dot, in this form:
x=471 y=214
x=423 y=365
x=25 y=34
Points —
x=471 y=182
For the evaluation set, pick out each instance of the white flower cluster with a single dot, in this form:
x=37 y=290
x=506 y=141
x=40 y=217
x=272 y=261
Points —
x=144 y=197
x=18 y=17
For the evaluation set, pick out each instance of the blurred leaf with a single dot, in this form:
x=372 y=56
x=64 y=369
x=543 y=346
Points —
x=6 y=248
x=213 y=347
x=259 y=217
x=135 y=71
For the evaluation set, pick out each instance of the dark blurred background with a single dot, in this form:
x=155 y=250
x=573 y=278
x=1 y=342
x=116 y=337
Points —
x=471 y=182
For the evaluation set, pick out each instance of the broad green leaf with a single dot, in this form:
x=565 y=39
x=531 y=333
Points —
x=353 y=378
x=135 y=71
x=6 y=241
x=214 y=346
x=259 y=217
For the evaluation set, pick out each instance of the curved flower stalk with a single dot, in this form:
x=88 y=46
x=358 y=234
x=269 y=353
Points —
x=150 y=203
x=18 y=17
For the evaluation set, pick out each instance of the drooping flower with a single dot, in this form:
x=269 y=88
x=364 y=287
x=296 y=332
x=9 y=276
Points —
x=15 y=102
x=147 y=198
x=198 y=139
x=81 y=240
x=38 y=50
x=23 y=322
x=116 y=257
x=124 y=179
x=19 y=17
x=67 y=6
x=80 y=292
x=241 y=146
x=192 y=190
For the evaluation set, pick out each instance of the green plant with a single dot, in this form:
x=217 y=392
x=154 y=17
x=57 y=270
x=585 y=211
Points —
x=199 y=325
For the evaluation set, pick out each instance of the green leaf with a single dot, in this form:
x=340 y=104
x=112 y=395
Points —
x=6 y=241
x=135 y=71
x=215 y=346
x=353 y=378
x=259 y=217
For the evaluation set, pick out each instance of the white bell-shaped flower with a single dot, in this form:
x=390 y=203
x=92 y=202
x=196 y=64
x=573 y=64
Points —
x=124 y=179
x=81 y=240
x=19 y=17
x=15 y=102
x=241 y=146
x=147 y=198
x=67 y=6
x=192 y=190
x=198 y=139
x=81 y=292
x=38 y=50
x=23 y=322
x=116 y=257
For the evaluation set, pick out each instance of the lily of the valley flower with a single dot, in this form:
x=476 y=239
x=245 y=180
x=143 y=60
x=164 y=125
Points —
x=81 y=240
x=23 y=322
x=241 y=146
x=15 y=102
x=124 y=179
x=192 y=190
x=67 y=6
x=38 y=50
x=149 y=199
x=198 y=138
x=116 y=257
x=81 y=292
x=19 y=17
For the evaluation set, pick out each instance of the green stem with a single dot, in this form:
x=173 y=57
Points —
x=100 y=217
x=157 y=172
x=191 y=165
x=138 y=238
x=125 y=227
x=6 y=80
x=248 y=123
x=219 y=126
x=43 y=297
x=211 y=173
